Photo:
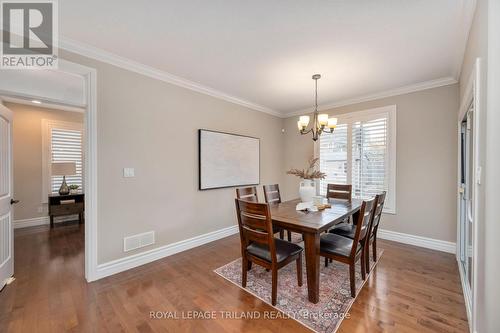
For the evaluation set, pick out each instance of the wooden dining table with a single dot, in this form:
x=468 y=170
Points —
x=311 y=225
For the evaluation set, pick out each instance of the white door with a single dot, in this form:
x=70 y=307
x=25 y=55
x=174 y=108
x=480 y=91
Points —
x=6 y=200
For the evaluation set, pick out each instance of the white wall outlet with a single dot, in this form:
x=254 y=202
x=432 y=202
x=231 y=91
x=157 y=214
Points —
x=128 y=172
x=40 y=209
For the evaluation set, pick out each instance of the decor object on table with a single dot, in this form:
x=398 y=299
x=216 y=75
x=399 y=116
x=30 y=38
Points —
x=227 y=160
x=307 y=188
x=73 y=188
x=321 y=122
x=63 y=169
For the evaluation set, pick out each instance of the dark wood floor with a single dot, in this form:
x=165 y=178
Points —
x=411 y=290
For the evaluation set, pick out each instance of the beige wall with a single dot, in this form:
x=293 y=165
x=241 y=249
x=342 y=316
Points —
x=426 y=160
x=477 y=43
x=27 y=149
x=152 y=126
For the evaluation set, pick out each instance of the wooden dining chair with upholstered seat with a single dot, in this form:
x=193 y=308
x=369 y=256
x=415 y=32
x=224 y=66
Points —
x=272 y=196
x=259 y=246
x=250 y=194
x=372 y=240
x=347 y=250
x=349 y=230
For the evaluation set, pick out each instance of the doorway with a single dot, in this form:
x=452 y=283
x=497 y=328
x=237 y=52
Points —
x=17 y=91
x=466 y=206
x=469 y=181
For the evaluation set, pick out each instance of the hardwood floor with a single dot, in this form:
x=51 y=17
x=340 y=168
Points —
x=411 y=290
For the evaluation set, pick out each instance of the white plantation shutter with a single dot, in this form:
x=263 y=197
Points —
x=369 y=153
x=333 y=160
x=66 y=146
x=361 y=152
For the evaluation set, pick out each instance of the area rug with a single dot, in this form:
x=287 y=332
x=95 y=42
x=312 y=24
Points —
x=335 y=296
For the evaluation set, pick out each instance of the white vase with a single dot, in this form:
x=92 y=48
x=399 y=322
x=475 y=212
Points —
x=307 y=190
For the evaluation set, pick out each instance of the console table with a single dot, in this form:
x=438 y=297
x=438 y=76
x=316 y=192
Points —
x=58 y=207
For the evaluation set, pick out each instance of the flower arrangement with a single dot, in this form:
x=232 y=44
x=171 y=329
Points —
x=310 y=172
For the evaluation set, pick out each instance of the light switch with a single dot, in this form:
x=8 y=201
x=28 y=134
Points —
x=128 y=172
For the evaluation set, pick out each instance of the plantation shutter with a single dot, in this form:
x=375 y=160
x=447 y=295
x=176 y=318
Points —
x=333 y=149
x=361 y=152
x=66 y=146
x=369 y=157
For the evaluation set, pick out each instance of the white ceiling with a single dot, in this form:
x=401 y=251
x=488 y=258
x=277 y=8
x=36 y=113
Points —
x=264 y=52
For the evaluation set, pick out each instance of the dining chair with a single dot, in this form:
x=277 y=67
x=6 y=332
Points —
x=339 y=191
x=349 y=230
x=249 y=193
x=259 y=246
x=272 y=196
x=372 y=240
x=347 y=250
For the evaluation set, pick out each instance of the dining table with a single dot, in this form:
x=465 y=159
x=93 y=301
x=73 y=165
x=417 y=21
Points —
x=311 y=225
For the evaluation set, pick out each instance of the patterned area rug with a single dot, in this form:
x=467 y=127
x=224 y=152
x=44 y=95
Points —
x=335 y=296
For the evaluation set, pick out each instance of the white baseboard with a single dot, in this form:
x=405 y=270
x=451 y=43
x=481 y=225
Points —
x=43 y=220
x=123 y=264
x=429 y=243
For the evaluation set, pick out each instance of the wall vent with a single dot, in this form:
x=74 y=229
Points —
x=137 y=241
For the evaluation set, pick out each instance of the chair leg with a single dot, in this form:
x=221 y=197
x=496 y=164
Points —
x=249 y=265
x=352 y=270
x=362 y=263
x=274 y=286
x=299 y=270
x=282 y=234
x=374 y=247
x=244 y=267
x=367 y=257
x=326 y=262
x=289 y=235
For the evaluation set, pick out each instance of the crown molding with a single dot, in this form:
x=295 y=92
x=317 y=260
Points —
x=383 y=94
x=134 y=66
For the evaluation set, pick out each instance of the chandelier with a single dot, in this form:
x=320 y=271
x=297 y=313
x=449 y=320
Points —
x=321 y=122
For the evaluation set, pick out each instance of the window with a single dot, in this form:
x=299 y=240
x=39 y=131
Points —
x=62 y=142
x=66 y=146
x=362 y=152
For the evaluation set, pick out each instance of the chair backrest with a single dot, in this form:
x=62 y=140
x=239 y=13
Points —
x=272 y=194
x=339 y=191
x=377 y=214
x=363 y=224
x=255 y=224
x=247 y=193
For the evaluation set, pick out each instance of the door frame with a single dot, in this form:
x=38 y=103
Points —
x=472 y=94
x=89 y=76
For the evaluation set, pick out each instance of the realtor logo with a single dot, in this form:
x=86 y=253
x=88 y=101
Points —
x=29 y=34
